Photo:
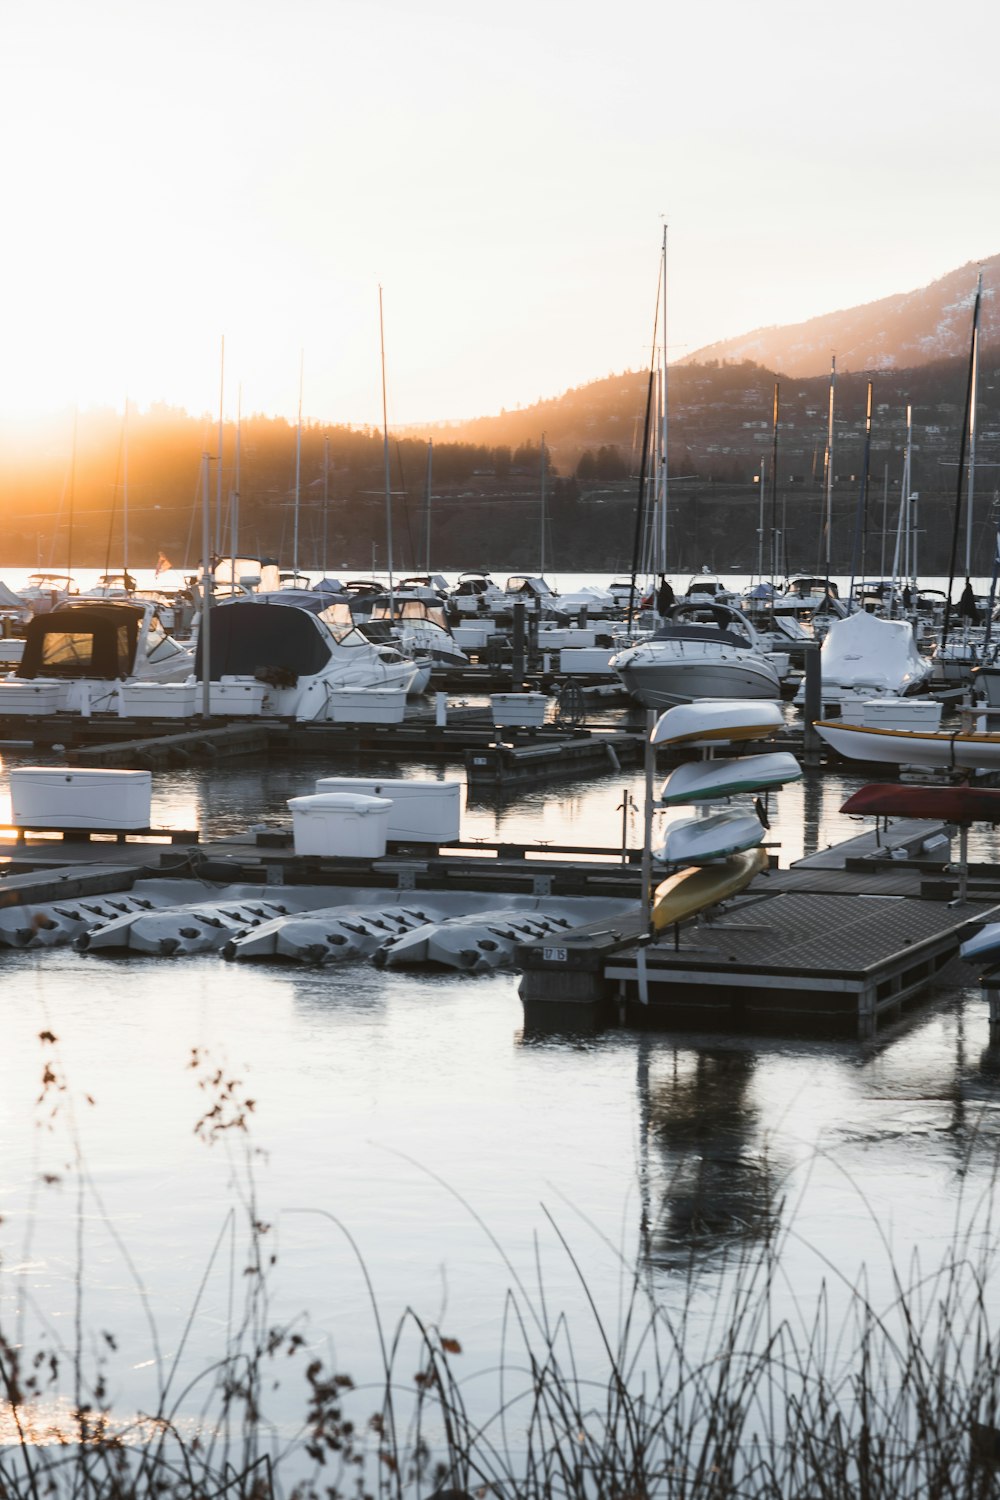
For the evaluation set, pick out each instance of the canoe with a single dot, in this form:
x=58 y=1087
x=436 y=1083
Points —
x=717 y=722
x=948 y=804
x=690 y=891
x=984 y=947
x=910 y=747
x=693 y=841
x=701 y=781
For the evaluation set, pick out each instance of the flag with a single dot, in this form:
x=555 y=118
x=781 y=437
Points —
x=163 y=564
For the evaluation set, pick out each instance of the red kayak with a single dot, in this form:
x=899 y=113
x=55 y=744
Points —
x=948 y=804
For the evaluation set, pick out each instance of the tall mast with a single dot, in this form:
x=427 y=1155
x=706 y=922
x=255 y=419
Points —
x=541 y=562
x=125 y=492
x=774 y=487
x=234 y=505
x=298 y=473
x=385 y=452
x=662 y=528
x=829 y=465
x=218 y=472
x=974 y=382
x=427 y=506
x=326 y=495
x=967 y=423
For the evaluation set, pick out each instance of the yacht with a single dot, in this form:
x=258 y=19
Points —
x=302 y=648
x=702 y=651
x=45 y=591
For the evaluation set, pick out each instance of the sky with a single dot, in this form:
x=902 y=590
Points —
x=179 y=174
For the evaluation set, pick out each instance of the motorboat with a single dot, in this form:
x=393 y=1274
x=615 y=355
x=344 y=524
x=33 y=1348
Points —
x=475 y=593
x=412 y=618
x=706 y=588
x=302 y=650
x=865 y=657
x=87 y=648
x=46 y=591
x=701 y=651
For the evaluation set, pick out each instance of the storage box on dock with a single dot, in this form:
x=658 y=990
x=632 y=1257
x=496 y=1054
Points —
x=421 y=811
x=568 y=637
x=367 y=705
x=160 y=700
x=340 y=823
x=518 y=710
x=586 y=661
x=231 y=697
x=901 y=713
x=65 y=797
x=475 y=636
x=26 y=697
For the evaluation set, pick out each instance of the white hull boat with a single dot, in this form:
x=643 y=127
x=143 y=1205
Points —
x=707 y=651
x=962 y=750
x=698 y=840
x=865 y=657
x=692 y=724
x=704 y=781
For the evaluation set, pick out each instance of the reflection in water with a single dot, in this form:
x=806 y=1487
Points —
x=720 y=1181
x=812 y=807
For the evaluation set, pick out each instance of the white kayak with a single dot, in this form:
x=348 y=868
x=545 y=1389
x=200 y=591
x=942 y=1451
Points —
x=913 y=747
x=53 y=923
x=984 y=947
x=718 y=722
x=694 y=841
x=702 y=781
x=199 y=928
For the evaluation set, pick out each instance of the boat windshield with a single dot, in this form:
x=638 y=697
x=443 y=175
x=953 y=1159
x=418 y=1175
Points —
x=340 y=623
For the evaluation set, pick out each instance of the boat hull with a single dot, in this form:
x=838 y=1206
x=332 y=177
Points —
x=902 y=747
x=695 y=889
x=702 y=781
x=948 y=804
x=663 y=682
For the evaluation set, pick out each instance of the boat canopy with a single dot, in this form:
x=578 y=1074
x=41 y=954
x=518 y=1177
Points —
x=82 y=640
x=248 y=639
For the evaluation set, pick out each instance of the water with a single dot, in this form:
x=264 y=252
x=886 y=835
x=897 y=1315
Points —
x=406 y=1113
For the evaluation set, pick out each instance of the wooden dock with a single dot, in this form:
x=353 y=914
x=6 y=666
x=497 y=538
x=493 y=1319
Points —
x=840 y=946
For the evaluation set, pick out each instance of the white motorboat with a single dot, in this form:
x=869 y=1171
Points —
x=86 y=649
x=691 y=724
x=703 y=651
x=865 y=657
x=704 y=781
x=303 y=652
x=46 y=591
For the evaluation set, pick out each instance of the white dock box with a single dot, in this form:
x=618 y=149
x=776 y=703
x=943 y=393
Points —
x=367 y=705
x=523 y=710
x=234 y=696
x=901 y=713
x=340 y=823
x=584 y=661
x=159 y=700
x=473 y=637
x=421 y=811
x=27 y=697
x=63 y=797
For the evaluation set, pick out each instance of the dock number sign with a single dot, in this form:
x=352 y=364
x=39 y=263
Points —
x=554 y=955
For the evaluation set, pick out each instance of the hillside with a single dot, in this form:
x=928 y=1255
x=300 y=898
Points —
x=905 y=331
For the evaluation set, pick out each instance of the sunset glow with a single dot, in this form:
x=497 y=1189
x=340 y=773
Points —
x=185 y=172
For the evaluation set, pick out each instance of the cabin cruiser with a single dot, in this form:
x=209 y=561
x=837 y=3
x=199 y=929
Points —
x=474 y=593
x=88 y=647
x=706 y=588
x=295 y=643
x=45 y=591
x=702 y=651
x=865 y=657
x=412 y=617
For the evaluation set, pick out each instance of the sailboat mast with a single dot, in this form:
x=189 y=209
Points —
x=385 y=453
x=969 y=403
x=664 y=470
x=774 y=489
x=973 y=396
x=829 y=466
x=125 y=492
x=298 y=475
x=218 y=472
x=234 y=507
x=326 y=496
x=427 y=507
x=541 y=560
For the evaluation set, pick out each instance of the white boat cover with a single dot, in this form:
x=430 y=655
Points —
x=865 y=651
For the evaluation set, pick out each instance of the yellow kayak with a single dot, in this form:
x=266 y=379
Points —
x=691 y=890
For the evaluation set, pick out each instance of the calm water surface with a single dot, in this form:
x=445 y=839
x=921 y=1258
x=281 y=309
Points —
x=408 y=1112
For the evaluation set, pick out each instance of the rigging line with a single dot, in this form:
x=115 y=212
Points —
x=406 y=506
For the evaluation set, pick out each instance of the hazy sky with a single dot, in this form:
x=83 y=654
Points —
x=176 y=171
